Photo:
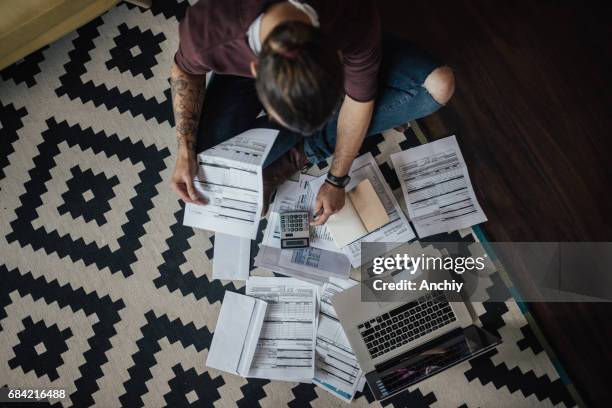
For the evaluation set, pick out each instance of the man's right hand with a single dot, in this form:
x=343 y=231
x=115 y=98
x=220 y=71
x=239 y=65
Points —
x=182 y=179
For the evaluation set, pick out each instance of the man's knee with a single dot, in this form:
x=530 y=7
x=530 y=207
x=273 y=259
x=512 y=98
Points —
x=440 y=84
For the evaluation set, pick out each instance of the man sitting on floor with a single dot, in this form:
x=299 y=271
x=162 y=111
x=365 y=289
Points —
x=319 y=69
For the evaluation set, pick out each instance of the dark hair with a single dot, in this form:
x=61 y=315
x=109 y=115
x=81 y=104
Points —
x=300 y=76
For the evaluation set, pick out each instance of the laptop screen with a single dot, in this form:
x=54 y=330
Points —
x=431 y=358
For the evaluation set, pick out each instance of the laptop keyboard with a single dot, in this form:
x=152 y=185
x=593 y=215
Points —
x=406 y=323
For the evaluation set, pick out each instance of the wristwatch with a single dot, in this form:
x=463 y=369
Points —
x=339 y=182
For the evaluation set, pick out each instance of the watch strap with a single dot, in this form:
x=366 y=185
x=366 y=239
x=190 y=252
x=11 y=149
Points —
x=336 y=181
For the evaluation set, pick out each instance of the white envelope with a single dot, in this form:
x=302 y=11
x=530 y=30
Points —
x=231 y=257
x=235 y=338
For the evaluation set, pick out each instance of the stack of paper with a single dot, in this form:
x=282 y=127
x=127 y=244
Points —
x=230 y=180
x=437 y=187
x=336 y=367
x=311 y=264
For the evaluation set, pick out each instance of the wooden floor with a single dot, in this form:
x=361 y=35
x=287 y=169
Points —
x=532 y=112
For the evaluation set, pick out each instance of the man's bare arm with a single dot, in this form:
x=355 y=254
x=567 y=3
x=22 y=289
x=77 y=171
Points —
x=187 y=99
x=353 y=123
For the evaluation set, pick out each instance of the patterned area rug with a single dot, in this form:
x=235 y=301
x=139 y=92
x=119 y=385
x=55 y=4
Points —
x=105 y=294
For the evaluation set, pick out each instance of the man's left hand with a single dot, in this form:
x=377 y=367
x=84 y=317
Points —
x=330 y=200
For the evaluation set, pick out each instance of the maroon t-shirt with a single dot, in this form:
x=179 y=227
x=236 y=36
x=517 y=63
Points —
x=212 y=37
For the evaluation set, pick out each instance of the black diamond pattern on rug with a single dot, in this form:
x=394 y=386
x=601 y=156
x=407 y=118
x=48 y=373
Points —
x=135 y=51
x=40 y=348
x=105 y=310
x=109 y=96
x=187 y=387
x=155 y=330
x=88 y=195
x=119 y=260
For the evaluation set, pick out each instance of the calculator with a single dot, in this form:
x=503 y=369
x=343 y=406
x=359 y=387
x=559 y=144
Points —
x=294 y=229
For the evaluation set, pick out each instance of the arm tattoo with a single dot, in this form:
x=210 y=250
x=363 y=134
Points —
x=187 y=99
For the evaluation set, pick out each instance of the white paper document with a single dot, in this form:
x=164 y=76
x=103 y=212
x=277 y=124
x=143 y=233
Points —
x=236 y=334
x=230 y=180
x=231 y=257
x=437 y=187
x=336 y=367
x=397 y=231
x=311 y=264
x=286 y=347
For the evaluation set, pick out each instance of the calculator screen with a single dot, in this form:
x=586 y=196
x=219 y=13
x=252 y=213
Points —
x=294 y=242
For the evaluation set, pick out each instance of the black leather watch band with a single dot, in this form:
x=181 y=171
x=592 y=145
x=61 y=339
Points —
x=336 y=181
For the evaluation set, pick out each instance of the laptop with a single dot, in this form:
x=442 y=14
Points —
x=399 y=344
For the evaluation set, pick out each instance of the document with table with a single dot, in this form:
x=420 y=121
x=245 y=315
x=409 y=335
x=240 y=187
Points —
x=286 y=347
x=437 y=187
x=230 y=180
x=336 y=368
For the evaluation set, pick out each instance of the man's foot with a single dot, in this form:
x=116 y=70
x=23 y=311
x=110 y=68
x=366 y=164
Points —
x=402 y=128
x=278 y=172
